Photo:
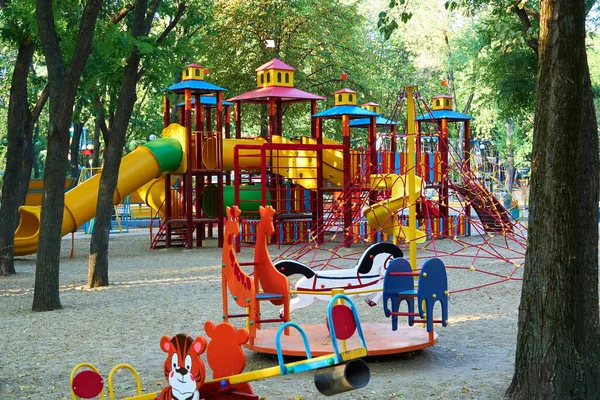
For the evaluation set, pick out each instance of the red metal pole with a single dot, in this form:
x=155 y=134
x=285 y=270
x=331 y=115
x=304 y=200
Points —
x=220 y=211
x=189 y=238
x=168 y=208
x=347 y=242
x=320 y=187
x=227 y=122
x=208 y=112
x=227 y=136
x=279 y=121
x=444 y=189
x=313 y=121
x=271 y=118
x=467 y=160
x=197 y=135
x=394 y=148
x=238 y=119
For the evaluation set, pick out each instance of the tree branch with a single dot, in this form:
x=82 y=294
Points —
x=39 y=105
x=122 y=13
x=150 y=17
x=525 y=25
x=101 y=119
x=83 y=45
x=180 y=11
x=49 y=39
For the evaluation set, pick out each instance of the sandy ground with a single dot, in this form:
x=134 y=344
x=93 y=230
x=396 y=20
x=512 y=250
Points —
x=158 y=292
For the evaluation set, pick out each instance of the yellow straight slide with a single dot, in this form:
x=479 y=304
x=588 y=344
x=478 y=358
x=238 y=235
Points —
x=139 y=167
x=384 y=215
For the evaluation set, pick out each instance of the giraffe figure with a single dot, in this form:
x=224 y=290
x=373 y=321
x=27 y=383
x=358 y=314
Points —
x=274 y=284
x=240 y=285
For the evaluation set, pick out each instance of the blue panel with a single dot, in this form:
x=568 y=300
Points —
x=365 y=122
x=444 y=114
x=352 y=111
x=393 y=286
x=195 y=85
x=433 y=281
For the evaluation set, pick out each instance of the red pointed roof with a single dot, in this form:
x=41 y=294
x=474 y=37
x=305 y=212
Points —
x=442 y=96
x=344 y=90
x=370 y=104
x=194 y=65
x=285 y=94
x=275 y=64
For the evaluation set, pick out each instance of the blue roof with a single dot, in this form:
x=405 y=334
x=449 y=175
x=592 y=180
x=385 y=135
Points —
x=364 y=122
x=210 y=101
x=443 y=114
x=352 y=111
x=195 y=85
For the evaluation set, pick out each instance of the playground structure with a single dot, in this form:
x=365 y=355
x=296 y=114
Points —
x=335 y=372
x=321 y=188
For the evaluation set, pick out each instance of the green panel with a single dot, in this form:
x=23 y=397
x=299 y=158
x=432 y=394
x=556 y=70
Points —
x=168 y=153
x=250 y=199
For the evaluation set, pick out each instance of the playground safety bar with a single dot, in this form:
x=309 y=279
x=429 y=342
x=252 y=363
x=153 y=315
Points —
x=264 y=156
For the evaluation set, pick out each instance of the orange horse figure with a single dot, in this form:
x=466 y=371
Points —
x=233 y=277
x=275 y=286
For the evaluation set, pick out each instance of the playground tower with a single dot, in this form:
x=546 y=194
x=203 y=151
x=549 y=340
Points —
x=194 y=176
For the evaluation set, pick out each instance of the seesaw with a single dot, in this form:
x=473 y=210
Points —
x=337 y=372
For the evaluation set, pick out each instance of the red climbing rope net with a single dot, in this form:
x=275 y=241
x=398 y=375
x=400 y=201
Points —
x=476 y=233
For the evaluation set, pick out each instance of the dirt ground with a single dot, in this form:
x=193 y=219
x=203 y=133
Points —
x=168 y=291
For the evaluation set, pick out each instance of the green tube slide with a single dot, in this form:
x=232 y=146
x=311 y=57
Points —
x=250 y=199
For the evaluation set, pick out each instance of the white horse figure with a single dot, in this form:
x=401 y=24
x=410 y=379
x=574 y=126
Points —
x=366 y=275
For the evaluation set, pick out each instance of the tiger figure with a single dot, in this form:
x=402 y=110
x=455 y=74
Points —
x=184 y=369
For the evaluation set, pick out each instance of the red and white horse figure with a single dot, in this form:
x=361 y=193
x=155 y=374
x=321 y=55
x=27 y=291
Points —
x=367 y=274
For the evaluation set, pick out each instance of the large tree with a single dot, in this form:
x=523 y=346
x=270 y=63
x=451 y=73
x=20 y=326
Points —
x=63 y=80
x=558 y=345
x=20 y=124
x=114 y=138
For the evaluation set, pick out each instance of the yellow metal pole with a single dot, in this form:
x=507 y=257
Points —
x=412 y=192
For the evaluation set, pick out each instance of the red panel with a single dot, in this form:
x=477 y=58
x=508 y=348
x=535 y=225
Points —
x=87 y=384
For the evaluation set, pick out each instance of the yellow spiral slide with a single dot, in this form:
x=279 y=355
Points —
x=384 y=215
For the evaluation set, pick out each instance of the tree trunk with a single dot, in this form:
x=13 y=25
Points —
x=113 y=150
x=96 y=155
x=509 y=164
x=559 y=338
x=63 y=85
x=18 y=124
x=264 y=120
x=75 y=142
x=34 y=151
